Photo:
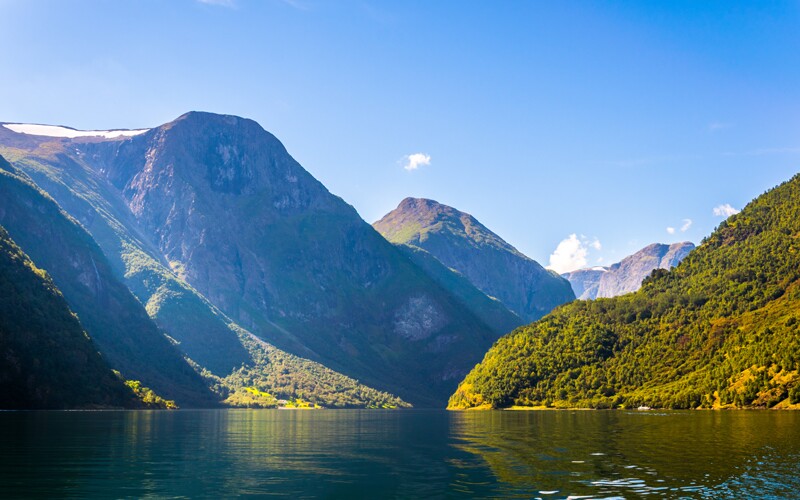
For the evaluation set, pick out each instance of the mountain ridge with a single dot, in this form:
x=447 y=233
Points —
x=116 y=320
x=461 y=242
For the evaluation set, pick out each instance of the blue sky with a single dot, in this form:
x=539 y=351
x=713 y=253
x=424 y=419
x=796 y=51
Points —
x=610 y=121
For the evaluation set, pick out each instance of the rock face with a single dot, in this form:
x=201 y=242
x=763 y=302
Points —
x=626 y=276
x=262 y=244
x=462 y=243
x=488 y=309
x=585 y=282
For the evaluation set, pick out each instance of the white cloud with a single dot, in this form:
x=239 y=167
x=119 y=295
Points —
x=416 y=160
x=687 y=223
x=671 y=230
x=724 y=210
x=571 y=253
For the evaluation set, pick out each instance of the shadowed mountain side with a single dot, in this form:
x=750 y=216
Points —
x=116 y=321
x=225 y=353
x=272 y=248
x=48 y=361
x=490 y=311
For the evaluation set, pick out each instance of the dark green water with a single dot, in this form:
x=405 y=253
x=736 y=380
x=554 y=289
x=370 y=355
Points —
x=400 y=454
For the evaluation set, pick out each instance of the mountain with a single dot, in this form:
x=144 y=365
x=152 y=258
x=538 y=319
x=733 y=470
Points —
x=462 y=243
x=721 y=329
x=237 y=252
x=116 y=321
x=626 y=276
x=238 y=366
x=48 y=360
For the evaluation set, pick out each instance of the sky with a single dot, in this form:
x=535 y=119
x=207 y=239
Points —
x=577 y=131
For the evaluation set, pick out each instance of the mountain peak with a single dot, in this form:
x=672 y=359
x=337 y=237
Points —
x=203 y=124
x=411 y=202
x=415 y=219
x=221 y=153
x=206 y=117
x=424 y=208
x=459 y=241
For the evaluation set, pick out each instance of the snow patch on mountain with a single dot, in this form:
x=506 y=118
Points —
x=68 y=133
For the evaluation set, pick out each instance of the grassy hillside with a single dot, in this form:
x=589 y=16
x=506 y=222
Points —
x=720 y=330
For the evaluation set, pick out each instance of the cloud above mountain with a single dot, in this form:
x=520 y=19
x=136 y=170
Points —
x=416 y=160
x=571 y=253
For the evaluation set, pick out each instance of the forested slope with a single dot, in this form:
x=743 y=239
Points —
x=720 y=330
x=48 y=361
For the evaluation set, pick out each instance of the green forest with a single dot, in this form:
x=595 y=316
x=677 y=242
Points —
x=721 y=330
x=276 y=378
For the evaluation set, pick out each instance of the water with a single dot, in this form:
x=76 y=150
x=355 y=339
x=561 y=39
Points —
x=400 y=454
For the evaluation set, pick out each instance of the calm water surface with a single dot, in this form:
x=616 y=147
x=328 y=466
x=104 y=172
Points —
x=400 y=454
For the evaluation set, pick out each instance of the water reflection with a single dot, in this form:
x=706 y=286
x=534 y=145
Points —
x=403 y=454
x=601 y=454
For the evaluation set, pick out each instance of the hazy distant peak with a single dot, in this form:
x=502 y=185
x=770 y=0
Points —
x=626 y=275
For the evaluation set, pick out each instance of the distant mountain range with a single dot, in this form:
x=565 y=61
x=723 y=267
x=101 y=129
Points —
x=460 y=242
x=626 y=276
